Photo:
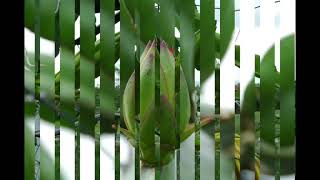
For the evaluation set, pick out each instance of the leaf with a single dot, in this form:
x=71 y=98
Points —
x=268 y=103
x=269 y=75
x=187 y=41
x=47 y=17
x=167 y=119
x=257 y=60
x=109 y=47
x=227 y=22
x=96 y=5
x=287 y=91
x=97 y=58
x=87 y=68
x=68 y=112
x=146 y=12
x=167 y=23
x=127 y=42
x=127 y=104
x=147 y=91
x=167 y=88
x=267 y=95
x=205 y=47
x=66 y=85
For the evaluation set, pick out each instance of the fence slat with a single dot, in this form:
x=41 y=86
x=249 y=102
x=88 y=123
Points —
x=267 y=85
x=187 y=42
x=227 y=85
x=107 y=81
x=207 y=66
x=29 y=105
x=247 y=87
x=166 y=23
x=67 y=88
x=287 y=91
x=87 y=85
x=47 y=90
x=127 y=62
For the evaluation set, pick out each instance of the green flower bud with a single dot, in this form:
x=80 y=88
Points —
x=166 y=121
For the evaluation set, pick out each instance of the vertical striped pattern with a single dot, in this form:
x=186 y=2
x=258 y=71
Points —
x=267 y=110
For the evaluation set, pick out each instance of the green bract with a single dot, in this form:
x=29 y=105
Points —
x=149 y=121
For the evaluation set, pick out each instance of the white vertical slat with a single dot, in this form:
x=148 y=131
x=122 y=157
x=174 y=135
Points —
x=287 y=18
x=107 y=154
x=47 y=142
x=87 y=158
x=67 y=153
x=277 y=35
x=67 y=135
x=266 y=30
x=47 y=133
x=247 y=53
x=187 y=165
x=227 y=102
x=29 y=46
x=227 y=79
x=247 y=43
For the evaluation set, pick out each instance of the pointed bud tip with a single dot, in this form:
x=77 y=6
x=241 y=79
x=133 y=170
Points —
x=153 y=43
x=163 y=44
x=149 y=44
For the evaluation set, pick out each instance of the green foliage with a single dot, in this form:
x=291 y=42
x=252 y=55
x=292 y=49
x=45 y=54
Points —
x=138 y=27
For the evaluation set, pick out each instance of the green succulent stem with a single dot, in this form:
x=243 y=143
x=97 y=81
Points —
x=191 y=127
